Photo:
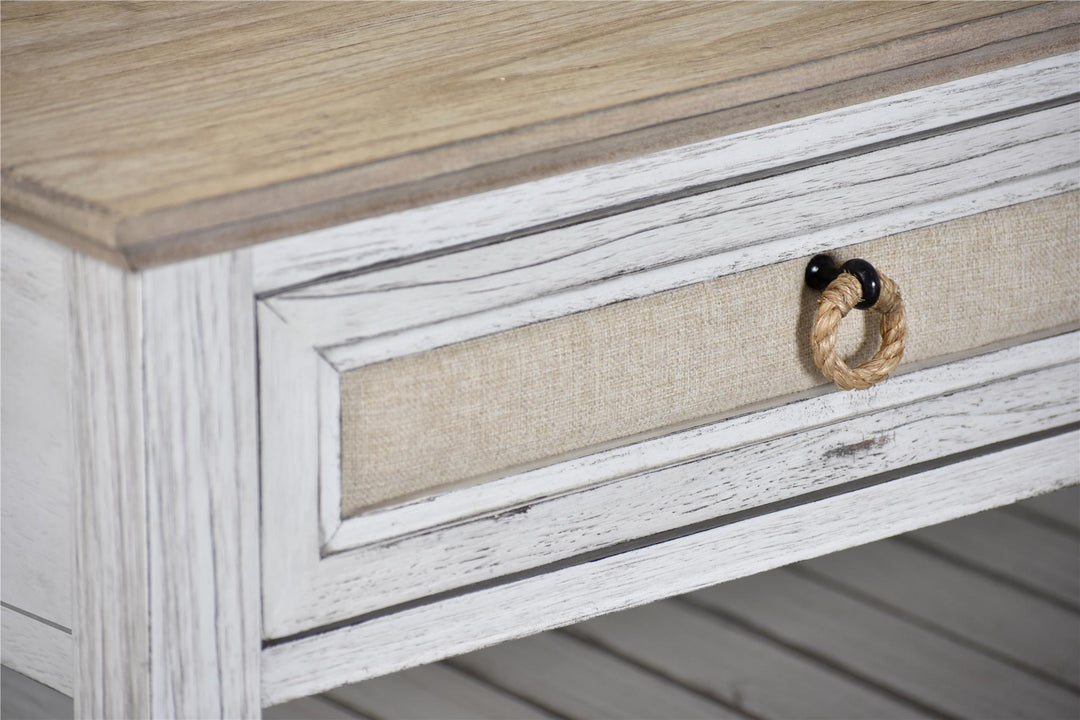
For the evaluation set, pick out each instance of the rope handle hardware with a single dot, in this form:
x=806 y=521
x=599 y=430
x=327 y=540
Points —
x=855 y=284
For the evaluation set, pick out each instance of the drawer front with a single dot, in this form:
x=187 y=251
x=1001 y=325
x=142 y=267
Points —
x=558 y=397
x=520 y=398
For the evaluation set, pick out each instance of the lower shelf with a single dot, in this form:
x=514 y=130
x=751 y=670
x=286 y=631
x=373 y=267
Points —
x=977 y=617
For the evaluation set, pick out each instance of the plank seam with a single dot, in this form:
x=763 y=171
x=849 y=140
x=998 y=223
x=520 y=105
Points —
x=811 y=655
x=1045 y=521
x=943 y=631
x=32 y=616
x=657 y=671
x=509 y=692
x=988 y=572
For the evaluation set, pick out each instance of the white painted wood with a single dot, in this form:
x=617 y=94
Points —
x=954 y=600
x=1014 y=549
x=575 y=680
x=610 y=497
x=410 y=308
x=202 y=488
x=524 y=606
x=35 y=444
x=679 y=445
x=39 y=651
x=433 y=692
x=113 y=658
x=870 y=643
x=25 y=699
x=442 y=226
x=290 y=450
x=167 y=564
x=744 y=669
x=329 y=419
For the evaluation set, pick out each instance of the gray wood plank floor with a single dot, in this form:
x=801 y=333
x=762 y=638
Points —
x=977 y=618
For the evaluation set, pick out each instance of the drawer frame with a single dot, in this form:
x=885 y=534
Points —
x=321 y=571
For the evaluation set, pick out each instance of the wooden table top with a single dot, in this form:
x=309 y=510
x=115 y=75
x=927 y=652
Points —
x=151 y=132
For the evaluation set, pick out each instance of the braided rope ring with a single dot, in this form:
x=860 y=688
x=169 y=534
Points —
x=836 y=301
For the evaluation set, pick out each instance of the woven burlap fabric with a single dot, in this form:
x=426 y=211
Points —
x=478 y=409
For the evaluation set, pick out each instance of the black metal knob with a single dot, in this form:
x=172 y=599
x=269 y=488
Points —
x=822 y=270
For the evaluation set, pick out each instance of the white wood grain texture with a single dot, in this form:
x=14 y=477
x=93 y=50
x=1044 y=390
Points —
x=871 y=643
x=35 y=444
x=706 y=472
x=348 y=247
x=493 y=614
x=40 y=651
x=430 y=303
x=202 y=488
x=329 y=419
x=576 y=680
x=26 y=699
x=736 y=480
x=290 y=449
x=683 y=642
x=167 y=527
x=113 y=660
x=433 y=692
x=1015 y=549
x=960 y=603
x=681 y=444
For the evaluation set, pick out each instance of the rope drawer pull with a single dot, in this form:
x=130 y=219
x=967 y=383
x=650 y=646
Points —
x=855 y=284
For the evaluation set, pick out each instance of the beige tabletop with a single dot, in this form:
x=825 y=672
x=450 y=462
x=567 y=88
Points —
x=151 y=132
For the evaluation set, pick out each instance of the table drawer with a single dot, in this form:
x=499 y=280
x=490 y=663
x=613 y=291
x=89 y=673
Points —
x=513 y=438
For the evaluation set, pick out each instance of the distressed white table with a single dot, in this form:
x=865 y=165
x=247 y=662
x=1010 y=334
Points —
x=337 y=339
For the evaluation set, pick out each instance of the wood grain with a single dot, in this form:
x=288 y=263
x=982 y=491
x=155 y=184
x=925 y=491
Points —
x=894 y=653
x=586 y=504
x=680 y=641
x=961 y=603
x=37 y=455
x=166 y=560
x=575 y=680
x=412 y=307
x=202 y=487
x=555 y=388
x=111 y=598
x=294 y=115
x=999 y=552
x=732 y=159
x=434 y=691
x=491 y=614
x=39 y=651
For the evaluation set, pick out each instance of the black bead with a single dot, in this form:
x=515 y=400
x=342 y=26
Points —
x=822 y=270
x=868 y=279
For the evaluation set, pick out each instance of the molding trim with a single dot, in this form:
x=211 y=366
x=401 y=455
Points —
x=39 y=651
x=488 y=615
x=567 y=509
x=615 y=187
x=411 y=308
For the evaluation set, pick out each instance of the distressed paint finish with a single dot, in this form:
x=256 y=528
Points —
x=431 y=303
x=167 y=524
x=567 y=509
x=37 y=452
x=731 y=159
x=489 y=615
